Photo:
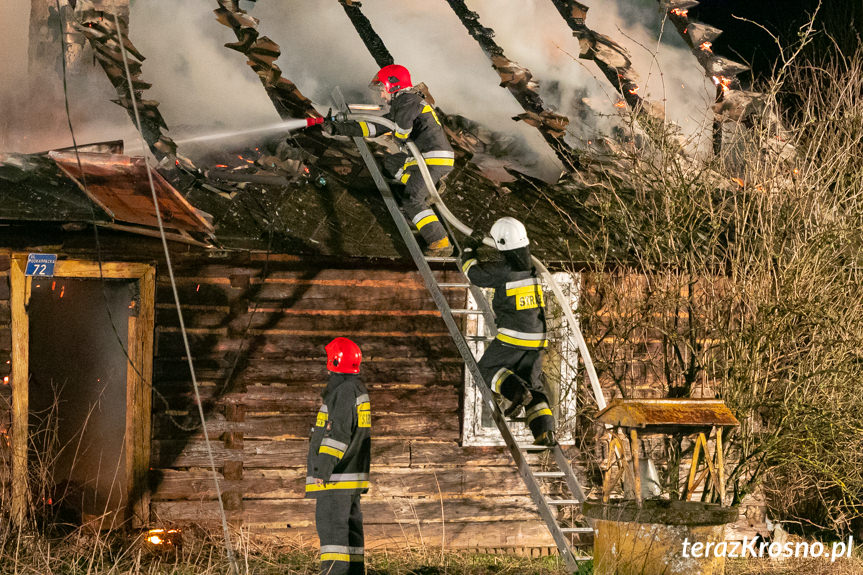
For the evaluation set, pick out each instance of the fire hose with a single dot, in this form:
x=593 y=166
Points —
x=460 y=226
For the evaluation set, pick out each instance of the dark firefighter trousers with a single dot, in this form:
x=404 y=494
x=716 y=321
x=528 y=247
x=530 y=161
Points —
x=414 y=198
x=506 y=368
x=339 y=522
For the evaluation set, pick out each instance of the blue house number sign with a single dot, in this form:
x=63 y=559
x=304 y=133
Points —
x=40 y=265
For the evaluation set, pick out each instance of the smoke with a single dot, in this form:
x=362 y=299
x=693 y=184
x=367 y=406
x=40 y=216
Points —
x=204 y=86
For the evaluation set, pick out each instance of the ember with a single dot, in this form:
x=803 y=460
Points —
x=680 y=12
x=722 y=81
x=164 y=538
x=706 y=46
x=620 y=104
x=739 y=182
x=633 y=90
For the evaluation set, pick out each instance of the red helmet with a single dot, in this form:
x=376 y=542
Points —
x=393 y=78
x=343 y=356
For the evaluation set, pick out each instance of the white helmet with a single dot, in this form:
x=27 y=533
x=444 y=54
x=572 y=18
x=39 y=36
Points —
x=509 y=234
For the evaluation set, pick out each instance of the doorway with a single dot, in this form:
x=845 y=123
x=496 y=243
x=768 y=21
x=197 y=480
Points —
x=81 y=377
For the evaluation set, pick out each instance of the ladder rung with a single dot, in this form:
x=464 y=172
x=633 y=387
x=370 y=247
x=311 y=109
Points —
x=577 y=529
x=532 y=447
x=516 y=419
x=455 y=285
x=479 y=338
x=440 y=259
x=563 y=501
x=466 y=311
x=549 y=474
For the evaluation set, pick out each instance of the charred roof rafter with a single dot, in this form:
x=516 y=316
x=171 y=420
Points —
x=614 y=62
x=100 y=30
x=262 y=54
x=519 y=81
x=370 y=38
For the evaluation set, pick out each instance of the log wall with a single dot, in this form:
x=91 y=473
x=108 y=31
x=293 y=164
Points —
x=257 y=325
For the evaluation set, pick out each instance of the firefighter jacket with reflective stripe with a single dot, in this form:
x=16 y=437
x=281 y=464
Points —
x=518 y=304
x=340 y=445
x=415 y=120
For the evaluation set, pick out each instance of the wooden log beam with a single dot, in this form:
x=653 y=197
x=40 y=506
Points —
x=519 y=81
x=262 y=53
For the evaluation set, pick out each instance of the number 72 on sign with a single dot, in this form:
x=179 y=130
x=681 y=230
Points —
x=40 y=265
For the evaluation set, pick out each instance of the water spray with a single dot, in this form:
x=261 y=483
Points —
x=284 y=126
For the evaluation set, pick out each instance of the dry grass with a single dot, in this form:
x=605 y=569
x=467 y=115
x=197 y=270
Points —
x=84 y=553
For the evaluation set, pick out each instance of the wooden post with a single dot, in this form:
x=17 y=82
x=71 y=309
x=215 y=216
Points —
x=720 y=466
x=636 y=470
x=690 y=485
x=20 y=389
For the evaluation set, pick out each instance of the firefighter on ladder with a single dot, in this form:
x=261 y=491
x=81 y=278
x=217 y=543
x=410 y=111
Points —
x=417 y=121
x=338 y=461
x=512 y=363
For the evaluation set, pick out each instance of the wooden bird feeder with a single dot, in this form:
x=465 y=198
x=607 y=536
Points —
x=629 y=418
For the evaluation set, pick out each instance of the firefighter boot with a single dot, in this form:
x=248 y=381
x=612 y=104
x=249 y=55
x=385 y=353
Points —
x=545 y=438
x=441 y=248
x=522 y=396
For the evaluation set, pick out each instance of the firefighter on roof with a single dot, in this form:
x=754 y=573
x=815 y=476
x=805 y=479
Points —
x=338 y=462
x=512 y=363
x=417 y=121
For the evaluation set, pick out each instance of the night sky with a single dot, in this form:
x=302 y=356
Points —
x=745 y=42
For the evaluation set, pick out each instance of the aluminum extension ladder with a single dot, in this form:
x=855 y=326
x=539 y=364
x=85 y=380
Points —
x=534 y=480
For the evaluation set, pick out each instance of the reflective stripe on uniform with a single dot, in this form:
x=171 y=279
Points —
x=401 y=134
x=339 y=481
x=335 y=557
x=429 y=110
x=424 y=218
x=364 y=398
x=332 y=447
x=341 y=553
x=521 y=338
x=537 y=410
x=510 y=286
x=468 y=264
x=499 y=376
x=369 y=130
x=439 y=158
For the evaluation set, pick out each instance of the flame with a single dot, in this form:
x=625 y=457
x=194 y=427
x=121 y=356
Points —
x=6 y=380
x=633 y=90
x=706 y=46
x=739 y=182
x=722 y=81
x=155 y=536
x=620 y=104
x=682 y=12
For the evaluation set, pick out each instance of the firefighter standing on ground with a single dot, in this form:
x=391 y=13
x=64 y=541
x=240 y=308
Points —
x=512 y=363
x=338 y=461
x=415 y=120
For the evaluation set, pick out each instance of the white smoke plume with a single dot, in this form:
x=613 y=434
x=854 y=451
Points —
x=204 y=86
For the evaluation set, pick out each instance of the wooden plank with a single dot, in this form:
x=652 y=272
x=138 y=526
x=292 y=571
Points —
x=298 y=529
x=20 y=390
x=262 y=453
x=91 y=269
x=289 y=482
x=142 y=393
x=304 y=344
x=297 y=426
x=321 y=320
x=306 y=272
x=286 y=296
x=256 y=371
x=305 y=398
x=402 y=510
